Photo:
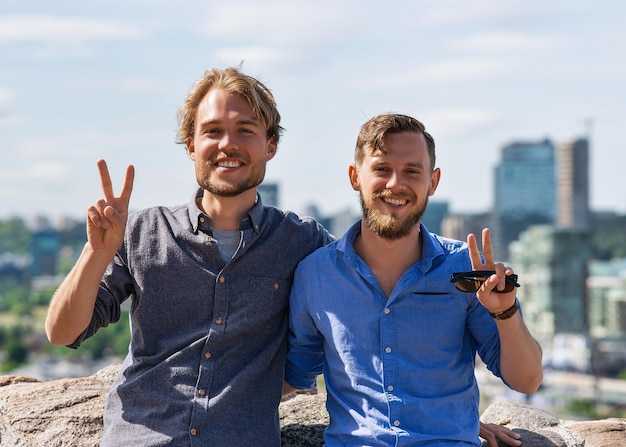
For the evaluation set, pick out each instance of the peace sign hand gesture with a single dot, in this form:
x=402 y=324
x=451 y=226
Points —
x=492 y=301
x=106 y=219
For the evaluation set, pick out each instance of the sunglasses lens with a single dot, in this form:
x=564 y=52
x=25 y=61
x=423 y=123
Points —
x=467 y=285
x=471 y=283
x=508 y=287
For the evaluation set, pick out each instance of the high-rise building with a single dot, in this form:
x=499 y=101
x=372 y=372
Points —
x=269 y=194
x=552 y=266
x=435 y=214
x=525 y=191
x=458 y=226
x=573 y=184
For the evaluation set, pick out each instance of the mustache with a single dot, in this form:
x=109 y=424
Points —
x=231 y=154
x=388 y=193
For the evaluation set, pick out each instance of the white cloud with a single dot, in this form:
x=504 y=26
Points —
x=461 y=12
x=6 y=98
x=49 y=28
x=7 y=117
x=257 y=56
x=283 y=23
x=506 y=41
x=124 y=85
x=38 y=172
x=447 y=71
x=458 y=121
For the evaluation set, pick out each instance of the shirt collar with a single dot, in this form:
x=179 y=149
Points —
x=431 y=248
x=252 y=219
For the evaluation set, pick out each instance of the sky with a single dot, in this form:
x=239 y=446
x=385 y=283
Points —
x=81 y=81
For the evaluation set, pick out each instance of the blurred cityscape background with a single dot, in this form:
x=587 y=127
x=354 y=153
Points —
x=571 y=262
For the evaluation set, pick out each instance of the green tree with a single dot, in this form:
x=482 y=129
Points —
x=14 y=236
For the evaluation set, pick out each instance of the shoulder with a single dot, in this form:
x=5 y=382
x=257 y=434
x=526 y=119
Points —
x=296 y=226
x=327 y=257
x=450 y=246
x=158 y=215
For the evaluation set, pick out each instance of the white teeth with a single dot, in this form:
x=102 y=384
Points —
x=227 y=164
x=395 y=202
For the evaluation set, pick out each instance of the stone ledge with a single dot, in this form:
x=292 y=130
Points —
x=68 y=412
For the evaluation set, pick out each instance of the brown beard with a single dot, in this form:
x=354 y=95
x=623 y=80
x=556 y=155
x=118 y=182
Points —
x=223 y=189
x=388 y=226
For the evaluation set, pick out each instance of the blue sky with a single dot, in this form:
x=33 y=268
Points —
x=103 y=79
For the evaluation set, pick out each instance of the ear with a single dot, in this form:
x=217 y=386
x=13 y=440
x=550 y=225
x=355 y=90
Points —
x=191 y=150
x=270 y=148
x=434 y=181
x=353 y=173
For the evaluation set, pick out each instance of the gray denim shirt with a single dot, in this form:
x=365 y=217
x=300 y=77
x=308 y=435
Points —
x=206 y=361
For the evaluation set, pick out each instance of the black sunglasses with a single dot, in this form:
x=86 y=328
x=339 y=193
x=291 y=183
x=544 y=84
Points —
x=471 y=281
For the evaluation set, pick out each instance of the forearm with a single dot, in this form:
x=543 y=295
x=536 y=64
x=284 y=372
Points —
x=520 y=355
x=72 y=304
x=288 y=389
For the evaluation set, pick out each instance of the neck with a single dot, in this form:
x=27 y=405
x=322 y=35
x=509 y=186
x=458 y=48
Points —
x=226 y=212
x=388 y=259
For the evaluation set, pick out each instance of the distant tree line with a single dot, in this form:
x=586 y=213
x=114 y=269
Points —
x=23 y=302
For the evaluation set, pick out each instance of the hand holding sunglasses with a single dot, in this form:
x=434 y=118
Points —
x=499 y=298
x=471 y=281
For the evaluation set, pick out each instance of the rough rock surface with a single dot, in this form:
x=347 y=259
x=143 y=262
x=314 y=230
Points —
x=68 y=413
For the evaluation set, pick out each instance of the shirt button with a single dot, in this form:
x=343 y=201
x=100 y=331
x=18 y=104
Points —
x=387 y=349
x=396 y=422
x=390 y=388
x=193 y=432
x=201 y=392
x=207 y=355
x=209 y=239
x=218 y=321
x=387 y=310
x=222 y=279
x=276 y=286
x=256 y=227
x=202 y=219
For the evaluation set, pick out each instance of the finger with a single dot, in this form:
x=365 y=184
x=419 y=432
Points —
x=127 y=186
x=93 y=215
x=105 y=180
x=509 y=437
x=487 y=247
x=474 y=254
x=100 y=208
x=499 y=269
x=489 y=437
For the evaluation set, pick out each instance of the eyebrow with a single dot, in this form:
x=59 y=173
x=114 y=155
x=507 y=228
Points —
x=419 y=165
x=246 y=122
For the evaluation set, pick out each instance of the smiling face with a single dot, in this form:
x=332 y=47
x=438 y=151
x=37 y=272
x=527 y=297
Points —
x=395 y=185
x=229 y=147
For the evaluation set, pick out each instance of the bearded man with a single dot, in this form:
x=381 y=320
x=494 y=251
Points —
x=393 y=316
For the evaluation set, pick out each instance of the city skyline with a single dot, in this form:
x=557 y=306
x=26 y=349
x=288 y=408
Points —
x=86 y=81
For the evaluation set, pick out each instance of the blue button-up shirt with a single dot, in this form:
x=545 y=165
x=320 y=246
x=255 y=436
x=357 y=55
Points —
x=206 y=360
x=399 y=371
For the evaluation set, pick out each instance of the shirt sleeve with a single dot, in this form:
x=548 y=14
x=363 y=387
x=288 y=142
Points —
x=114 y=289
x=485 y=336
x=305 y=356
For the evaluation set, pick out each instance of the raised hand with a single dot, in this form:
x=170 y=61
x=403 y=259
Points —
x=494 y=302
x=106 y=219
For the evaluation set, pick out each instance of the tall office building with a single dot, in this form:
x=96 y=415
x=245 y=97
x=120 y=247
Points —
x=525 y=191
x=573 y=184
x=436 y=212
x=269 y=194
x=552 y=266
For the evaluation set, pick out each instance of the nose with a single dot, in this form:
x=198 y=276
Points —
x=395 y=181
x=228 y=141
